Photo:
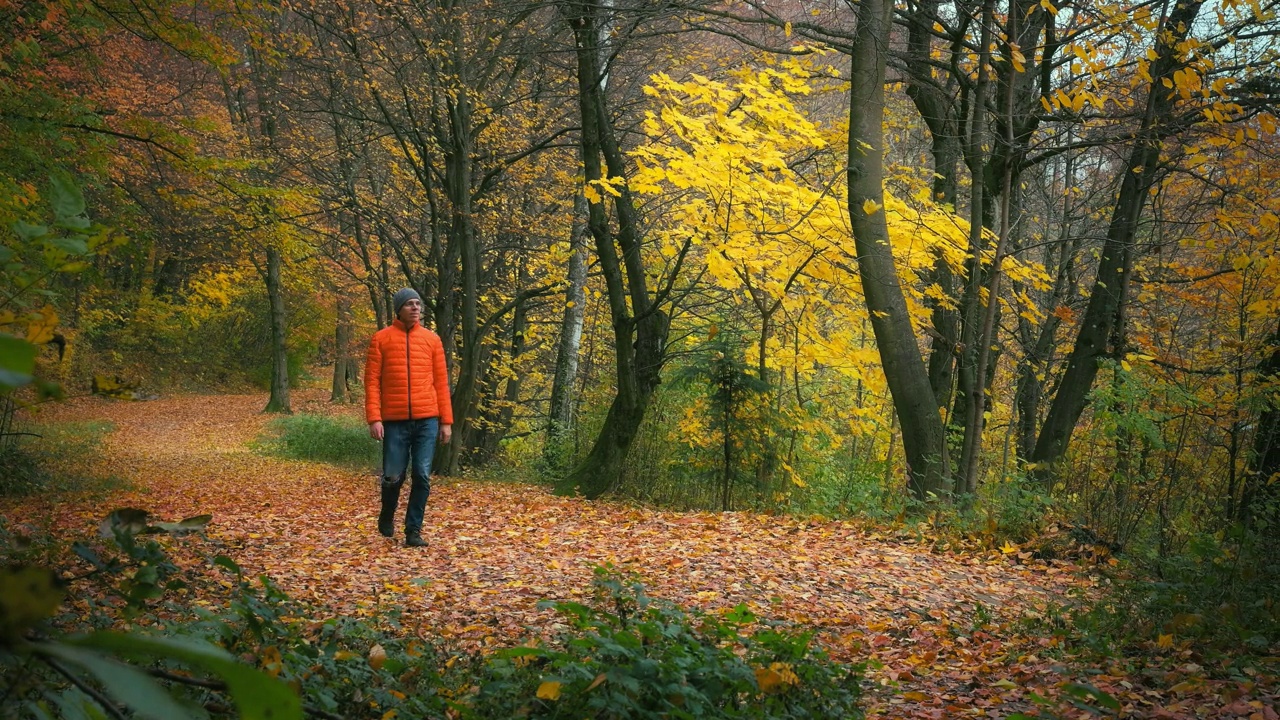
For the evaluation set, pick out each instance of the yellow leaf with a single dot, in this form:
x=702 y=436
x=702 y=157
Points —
x=1008 y=548
x=591 y=194
x=785 y=672
x=1165 y=642
x=787 y=29
x=549 y=690
x=344 y=655
x=1125 y=364
x=40 y=331
x=870 y=207
x=377 y=656
x=27 y=595
x=915 y=696
x=768 y=679
x=390 y=714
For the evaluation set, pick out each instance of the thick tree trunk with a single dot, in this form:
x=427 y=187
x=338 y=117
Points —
x=970 y=385
x=279 y=401
x=904 y=367
x=462 y=240
x=1116 y=261
x=938 y=112
x=341 y=351
x=639 y=338
x=560 y=415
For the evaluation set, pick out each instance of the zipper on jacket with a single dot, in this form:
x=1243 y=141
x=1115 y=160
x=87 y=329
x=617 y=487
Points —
x=408 y=371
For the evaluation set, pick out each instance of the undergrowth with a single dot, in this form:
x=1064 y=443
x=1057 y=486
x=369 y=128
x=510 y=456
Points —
x=622 y=655
x=1215 y=602
x=342 y=441
x=56 y=457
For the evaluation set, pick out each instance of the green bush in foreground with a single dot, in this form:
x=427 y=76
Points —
x=624 y=655
x=339 y=440
x=630 y=656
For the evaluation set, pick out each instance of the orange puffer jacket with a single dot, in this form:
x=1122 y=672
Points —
x=405 y=377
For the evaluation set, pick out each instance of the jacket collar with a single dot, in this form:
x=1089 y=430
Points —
x=399 y=324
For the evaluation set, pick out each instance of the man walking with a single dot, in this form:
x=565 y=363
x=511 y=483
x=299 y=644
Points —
x=407 y=406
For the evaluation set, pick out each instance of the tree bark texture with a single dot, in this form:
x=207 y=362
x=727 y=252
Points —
x=1116 y=261
x=279 y=400
x=639 y=328
x=560 y=416
x=904 y=368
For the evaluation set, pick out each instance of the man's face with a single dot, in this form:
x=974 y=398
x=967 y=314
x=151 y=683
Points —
x=411 y=312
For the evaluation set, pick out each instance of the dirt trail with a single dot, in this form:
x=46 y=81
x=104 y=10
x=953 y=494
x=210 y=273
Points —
x=495 y=550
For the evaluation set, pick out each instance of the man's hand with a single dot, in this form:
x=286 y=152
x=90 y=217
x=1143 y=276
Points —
x=446 y=432
x=375 y=430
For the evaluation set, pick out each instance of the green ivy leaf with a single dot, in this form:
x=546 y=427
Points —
x=28 y=231
x=17 y=362
x=127 y=683
x=257 y=695
x=74 y=245
x=66 y=198
x=196 y=523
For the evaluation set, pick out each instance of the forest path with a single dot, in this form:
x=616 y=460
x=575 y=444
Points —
x=943 y=626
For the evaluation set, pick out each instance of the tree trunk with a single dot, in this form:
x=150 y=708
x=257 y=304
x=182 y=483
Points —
x=639 y=338
x=560 y=416
x=969 y=392
x=501 y=423
x=1038 y=343
x=904 y=367
x=938 y=113
x=458 y=171
x=1116 y=261
x=279 y=401
x=1260 y=499
x=341 y=351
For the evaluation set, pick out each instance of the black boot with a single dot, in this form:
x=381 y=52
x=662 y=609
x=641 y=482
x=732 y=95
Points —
x=390 y=499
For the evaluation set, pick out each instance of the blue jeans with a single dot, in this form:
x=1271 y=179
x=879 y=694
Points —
x=403 y=440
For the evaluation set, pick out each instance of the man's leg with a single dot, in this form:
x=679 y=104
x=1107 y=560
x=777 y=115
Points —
x=423 y=449
x=395 y=460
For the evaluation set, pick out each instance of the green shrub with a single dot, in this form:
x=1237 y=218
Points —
x=1012 y=508
x=58 y=457
x=630 y=656
x=1218 y=596
x=1215 y=602
x=338 y=440
x=623 y=655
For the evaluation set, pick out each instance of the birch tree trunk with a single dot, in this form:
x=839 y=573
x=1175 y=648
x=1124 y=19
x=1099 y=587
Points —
x=560 y=415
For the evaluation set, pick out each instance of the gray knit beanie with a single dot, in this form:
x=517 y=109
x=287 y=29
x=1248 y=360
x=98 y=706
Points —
x=402 y=296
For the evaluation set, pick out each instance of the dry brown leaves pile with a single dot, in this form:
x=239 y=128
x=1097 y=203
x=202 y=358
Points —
x=941 y=629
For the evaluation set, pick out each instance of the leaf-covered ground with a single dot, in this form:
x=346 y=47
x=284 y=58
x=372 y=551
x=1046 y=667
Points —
x=945 y=631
